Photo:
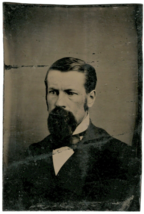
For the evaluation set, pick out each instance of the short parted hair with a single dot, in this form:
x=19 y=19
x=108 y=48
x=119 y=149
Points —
x=73 y=64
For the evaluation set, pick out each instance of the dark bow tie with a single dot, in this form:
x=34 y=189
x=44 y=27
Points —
x=75 y=139
x=71 y=141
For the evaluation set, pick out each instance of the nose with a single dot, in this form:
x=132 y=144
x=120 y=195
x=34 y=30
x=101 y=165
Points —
x=61 y=100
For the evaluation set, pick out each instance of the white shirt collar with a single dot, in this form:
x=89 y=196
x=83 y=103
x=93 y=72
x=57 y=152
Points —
x=83 y=125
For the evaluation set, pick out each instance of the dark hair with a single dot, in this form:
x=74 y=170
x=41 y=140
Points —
x=73 y=64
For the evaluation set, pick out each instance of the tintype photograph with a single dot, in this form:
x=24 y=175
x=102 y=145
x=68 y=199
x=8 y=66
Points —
x=72 y=107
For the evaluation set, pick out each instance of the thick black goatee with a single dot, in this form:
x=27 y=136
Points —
x=61 y=123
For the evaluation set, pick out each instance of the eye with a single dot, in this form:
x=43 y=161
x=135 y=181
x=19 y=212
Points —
x=53 y=92
x=71 y=93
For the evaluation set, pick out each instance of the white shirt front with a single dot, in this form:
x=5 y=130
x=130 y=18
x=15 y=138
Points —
x=61 y=155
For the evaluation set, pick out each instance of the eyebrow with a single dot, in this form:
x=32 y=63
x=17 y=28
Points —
x=52 y=88
x=69 y=89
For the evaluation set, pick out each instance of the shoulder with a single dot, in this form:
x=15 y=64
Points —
x=105 y=142
x=111 y=155
x=99 y=135
x=41 y=147
x=99 y=132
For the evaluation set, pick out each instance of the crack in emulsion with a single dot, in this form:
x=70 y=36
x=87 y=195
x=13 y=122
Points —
x=9 y=67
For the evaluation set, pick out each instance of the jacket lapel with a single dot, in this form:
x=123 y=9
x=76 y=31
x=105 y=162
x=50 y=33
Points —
x=73 y=173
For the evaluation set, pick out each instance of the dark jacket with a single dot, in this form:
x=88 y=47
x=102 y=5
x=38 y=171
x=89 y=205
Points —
x=102 y=169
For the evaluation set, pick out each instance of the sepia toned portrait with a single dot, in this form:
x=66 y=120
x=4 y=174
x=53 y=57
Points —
x=72 y=107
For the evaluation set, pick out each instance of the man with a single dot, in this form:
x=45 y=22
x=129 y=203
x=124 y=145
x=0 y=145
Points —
x=77 y=162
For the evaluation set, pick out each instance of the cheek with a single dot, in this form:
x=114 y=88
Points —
x=78 y=105
x=51 y=102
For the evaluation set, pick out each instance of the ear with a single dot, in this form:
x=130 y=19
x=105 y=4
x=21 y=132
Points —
x=91 y=98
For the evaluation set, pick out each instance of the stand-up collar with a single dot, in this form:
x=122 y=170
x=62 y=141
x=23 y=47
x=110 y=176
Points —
x=83 y=126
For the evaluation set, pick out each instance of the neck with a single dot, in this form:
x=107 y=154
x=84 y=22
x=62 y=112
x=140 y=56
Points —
x=86 y=113
x=83 y=125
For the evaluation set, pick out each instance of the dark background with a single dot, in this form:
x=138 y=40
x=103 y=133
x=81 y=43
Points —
x=108 y=37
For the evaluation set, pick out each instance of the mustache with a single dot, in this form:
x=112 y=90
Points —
x=61 y=123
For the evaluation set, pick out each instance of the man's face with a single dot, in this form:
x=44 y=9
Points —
x=66 y=90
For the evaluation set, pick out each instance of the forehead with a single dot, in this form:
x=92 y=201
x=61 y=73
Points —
x=70 y=79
